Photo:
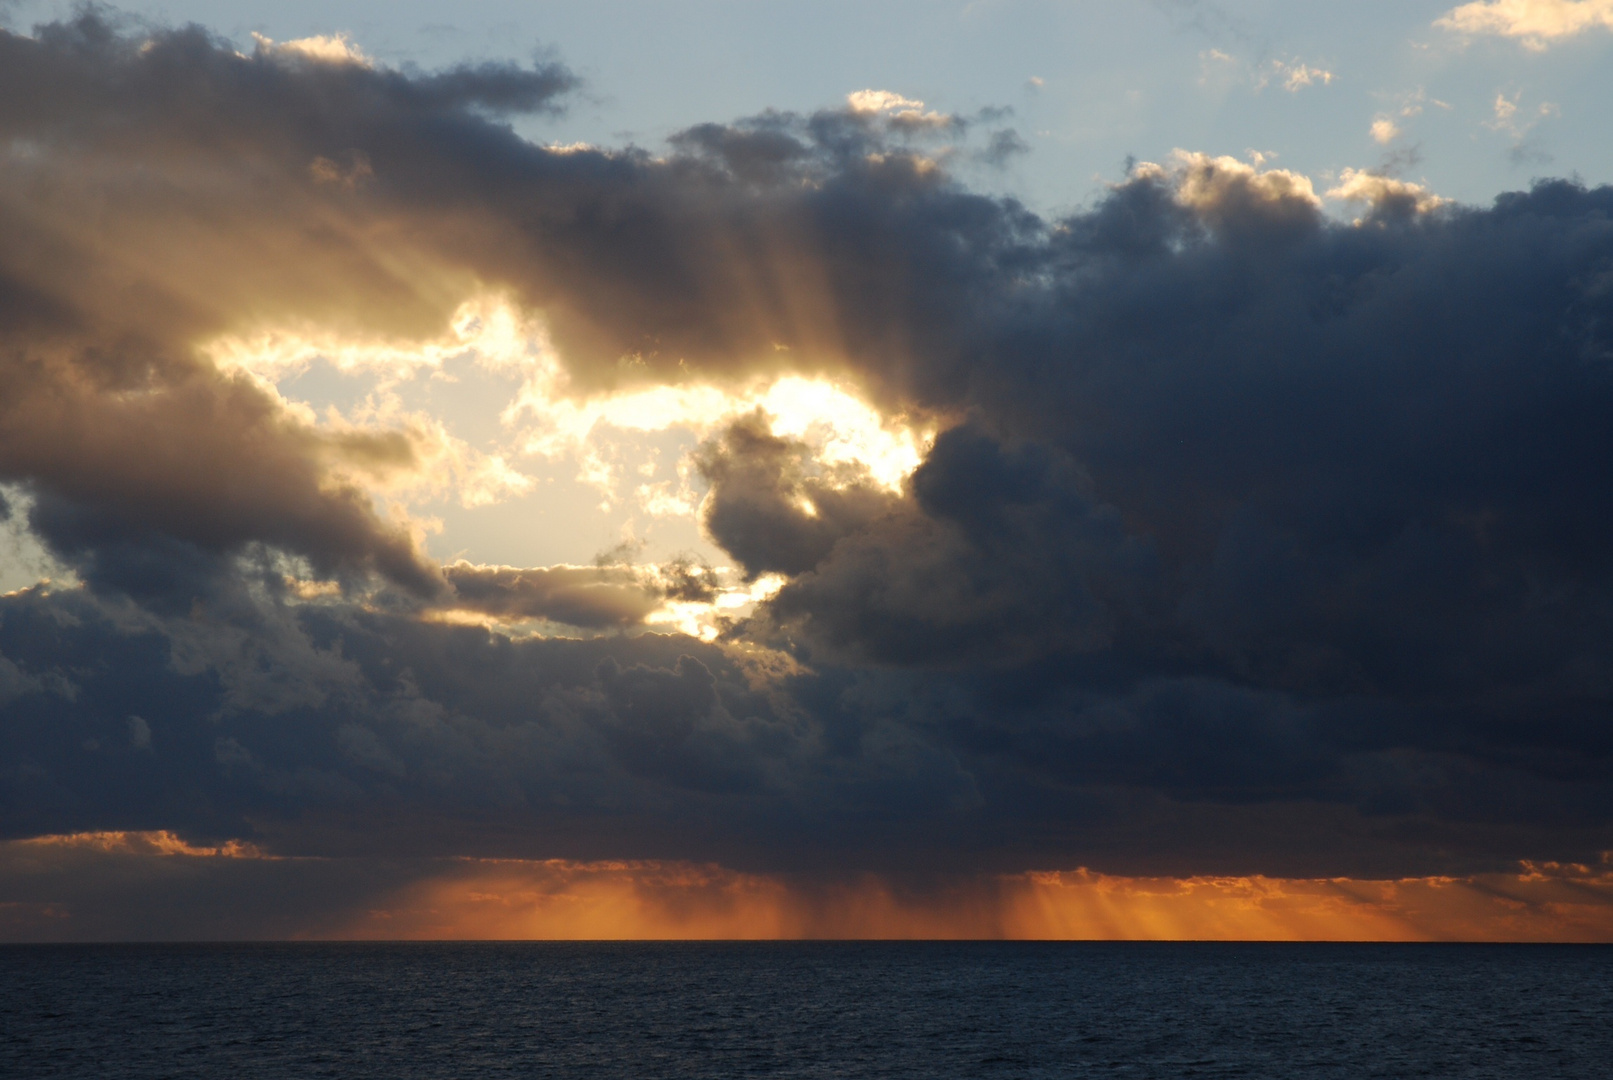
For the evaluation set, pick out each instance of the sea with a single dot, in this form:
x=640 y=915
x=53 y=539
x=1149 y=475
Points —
x=805 y=1009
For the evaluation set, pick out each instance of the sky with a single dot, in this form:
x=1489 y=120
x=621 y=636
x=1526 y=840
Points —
x=778 y=470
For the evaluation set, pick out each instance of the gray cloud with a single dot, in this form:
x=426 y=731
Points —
x=768 y=511
x=583 y=596
x=600 y=597
x=998 y=557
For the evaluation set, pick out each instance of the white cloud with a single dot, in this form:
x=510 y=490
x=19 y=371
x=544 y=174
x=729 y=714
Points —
x=1386 y=127
x=875 y=101
x=1205 y=183
x=1292 y=75
x=1295 y=76
x=326 y=49
x=1358 y=185
x=901 y=113
x=1509 y=117
x=1535 y=23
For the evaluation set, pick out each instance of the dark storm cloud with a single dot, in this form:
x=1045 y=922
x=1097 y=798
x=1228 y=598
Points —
x=765 y=508
x=331 y=731
x=998 y=557
x=202 y=464
x=1257 y=541
x=1265 y=507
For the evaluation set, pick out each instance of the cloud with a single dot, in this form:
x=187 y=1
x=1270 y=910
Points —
x=766 y=510
x=1385 y=195
x=586 y=597
x=111 y=416
x=1003 y=147
x=1291 y=75
x=59 y=887
x=583 y=596
x=1294 y=75
x=1225 y=191
x=1507 y=117
x=1536 y=23
x=15 y=682
x=877 y=101
x=139 y=733
x=207 y=465
x=1193 y=533
x=960 y=574
x=325 y=49
x=901 y=113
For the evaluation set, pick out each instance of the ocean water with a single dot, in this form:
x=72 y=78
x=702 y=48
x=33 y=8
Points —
x=243 y=1012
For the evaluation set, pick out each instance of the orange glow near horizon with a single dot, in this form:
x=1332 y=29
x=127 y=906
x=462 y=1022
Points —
x=557 y=900
x=514 y=899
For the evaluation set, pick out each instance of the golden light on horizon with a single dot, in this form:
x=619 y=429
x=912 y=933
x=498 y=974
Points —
x=558 y=900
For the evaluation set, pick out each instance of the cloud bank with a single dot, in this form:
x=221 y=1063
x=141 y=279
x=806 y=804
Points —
x=1252 y=542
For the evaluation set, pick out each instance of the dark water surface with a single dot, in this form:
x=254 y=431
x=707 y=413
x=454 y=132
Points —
x=243 y=1012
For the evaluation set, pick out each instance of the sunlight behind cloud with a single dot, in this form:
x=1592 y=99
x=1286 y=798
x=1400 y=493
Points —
x=486 y=413
x=488 y=327
x=702 y=619
x=549 y=421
